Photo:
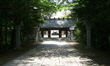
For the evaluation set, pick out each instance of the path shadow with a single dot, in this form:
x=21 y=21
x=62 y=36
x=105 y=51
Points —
x=54 y=50
x=54 y=39
x=98 y=56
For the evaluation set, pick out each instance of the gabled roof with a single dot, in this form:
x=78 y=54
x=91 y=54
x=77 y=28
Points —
x=57 y=23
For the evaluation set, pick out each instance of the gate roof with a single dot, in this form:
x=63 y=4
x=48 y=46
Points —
x=57 y=23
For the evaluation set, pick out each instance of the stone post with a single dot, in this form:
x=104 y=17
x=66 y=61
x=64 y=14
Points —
x=71 y=33
x=37 y=35
x=88 y=27
x=18 y=36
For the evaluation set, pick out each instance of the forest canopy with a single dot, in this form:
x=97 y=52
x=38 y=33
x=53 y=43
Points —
x=28 y=14
x=96 y=13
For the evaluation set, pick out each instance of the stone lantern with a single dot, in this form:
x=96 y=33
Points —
x=71 y=33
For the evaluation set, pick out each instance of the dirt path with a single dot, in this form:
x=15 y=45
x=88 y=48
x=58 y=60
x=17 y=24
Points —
x=52 y=53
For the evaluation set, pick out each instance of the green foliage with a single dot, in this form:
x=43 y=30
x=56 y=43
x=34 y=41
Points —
x=48 y=7
x=80 y=32
x=26 y=13
x=97 y=14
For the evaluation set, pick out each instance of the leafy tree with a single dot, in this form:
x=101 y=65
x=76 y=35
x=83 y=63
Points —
x=95 y=13
x=26 y=13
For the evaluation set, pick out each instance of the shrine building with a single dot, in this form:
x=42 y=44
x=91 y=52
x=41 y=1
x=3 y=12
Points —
x=57 y=28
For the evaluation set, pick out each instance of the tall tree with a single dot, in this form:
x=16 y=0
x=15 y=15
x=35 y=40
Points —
x=95 y=13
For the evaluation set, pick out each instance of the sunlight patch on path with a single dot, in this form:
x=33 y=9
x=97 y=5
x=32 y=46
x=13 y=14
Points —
x=52 y=53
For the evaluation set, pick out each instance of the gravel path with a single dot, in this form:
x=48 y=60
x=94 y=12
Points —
x=52 y=53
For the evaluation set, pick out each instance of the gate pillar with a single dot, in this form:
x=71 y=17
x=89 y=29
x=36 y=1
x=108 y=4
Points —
x=49 y=34
x=60 y=33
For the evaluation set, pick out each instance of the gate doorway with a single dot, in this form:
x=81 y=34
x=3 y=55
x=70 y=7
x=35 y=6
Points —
x=63 y=33
x=54 y=32
x=45 y=34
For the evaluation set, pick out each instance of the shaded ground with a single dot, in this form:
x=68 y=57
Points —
x=72 y=56
x=12 y=54
x=52 y=53
x=99 y=56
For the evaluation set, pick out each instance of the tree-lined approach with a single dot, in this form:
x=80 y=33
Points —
x=26 y=15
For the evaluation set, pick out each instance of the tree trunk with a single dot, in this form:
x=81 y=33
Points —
x=6 y=33
x=13 y=37
x=105 y=39
x=1 y=37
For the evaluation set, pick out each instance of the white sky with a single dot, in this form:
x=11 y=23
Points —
x=61 y=13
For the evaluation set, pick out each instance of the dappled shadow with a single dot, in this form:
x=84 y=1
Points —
x=52 y=53
x=54 y=39
x=98 y=56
